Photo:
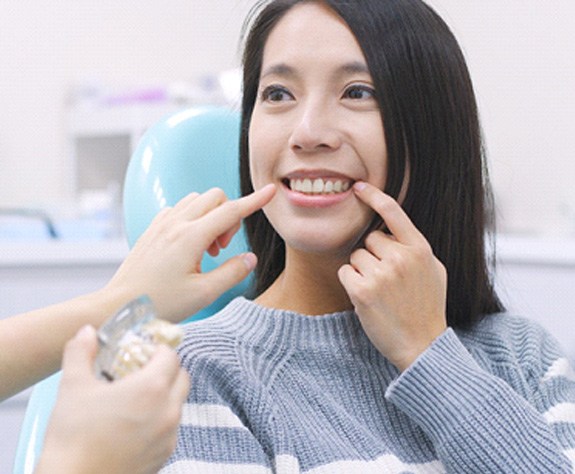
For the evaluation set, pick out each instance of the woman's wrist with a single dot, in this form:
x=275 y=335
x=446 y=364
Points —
x=64 y=461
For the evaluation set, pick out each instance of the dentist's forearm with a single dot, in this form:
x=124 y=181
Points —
x=32 y=343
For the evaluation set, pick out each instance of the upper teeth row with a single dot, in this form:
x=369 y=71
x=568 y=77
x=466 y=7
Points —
x=319 y=186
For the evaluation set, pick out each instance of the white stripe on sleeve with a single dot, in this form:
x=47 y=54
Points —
x=387 y=463
x=560 y=368
x=561 y=413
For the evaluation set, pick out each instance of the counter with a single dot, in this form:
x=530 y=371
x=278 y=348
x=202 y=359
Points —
x=39 y=273
x=515 y=249
x=552 y=251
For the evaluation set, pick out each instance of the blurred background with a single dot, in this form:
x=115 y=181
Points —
x=63 y=59
x=80 y=81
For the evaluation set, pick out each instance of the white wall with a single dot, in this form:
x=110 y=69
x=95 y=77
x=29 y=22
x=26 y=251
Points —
x=522 y=58
x=47 y=46
x=521 y=54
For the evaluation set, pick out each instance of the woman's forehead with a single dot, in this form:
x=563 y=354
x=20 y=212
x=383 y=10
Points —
x=311 y=32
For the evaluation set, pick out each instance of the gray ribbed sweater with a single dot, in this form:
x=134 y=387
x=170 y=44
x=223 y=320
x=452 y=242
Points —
x=275 y=391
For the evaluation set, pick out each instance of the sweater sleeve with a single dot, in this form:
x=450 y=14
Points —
x=478 y=422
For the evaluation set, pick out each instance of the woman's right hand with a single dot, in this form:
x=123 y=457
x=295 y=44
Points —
x=165 y=263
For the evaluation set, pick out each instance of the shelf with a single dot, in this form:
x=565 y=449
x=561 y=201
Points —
x=116 y=120
x=62 y=253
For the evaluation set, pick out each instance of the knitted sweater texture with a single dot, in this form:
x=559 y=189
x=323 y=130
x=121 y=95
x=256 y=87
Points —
x=279 y=392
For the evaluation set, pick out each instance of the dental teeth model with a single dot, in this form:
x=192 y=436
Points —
x=129 y=339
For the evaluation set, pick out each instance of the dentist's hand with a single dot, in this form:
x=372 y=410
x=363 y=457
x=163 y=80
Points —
x=165 y=262
x=128 y=426
x=396 y=284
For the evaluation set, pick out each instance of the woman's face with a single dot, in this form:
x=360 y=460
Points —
x=315 y=130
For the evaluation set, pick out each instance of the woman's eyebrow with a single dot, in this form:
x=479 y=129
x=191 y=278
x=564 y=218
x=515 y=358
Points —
x=280 y=69
x=353 y=67
x=285 y=70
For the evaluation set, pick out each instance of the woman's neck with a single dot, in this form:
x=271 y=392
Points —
x=308 y=285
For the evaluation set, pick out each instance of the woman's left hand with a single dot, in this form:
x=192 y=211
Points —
x=396 y=284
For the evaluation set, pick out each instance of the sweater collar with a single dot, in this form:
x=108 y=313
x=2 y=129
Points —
x=275 y=326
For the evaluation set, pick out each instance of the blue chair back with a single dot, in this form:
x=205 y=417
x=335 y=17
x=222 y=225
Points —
x=192 y=150
x=35 y=422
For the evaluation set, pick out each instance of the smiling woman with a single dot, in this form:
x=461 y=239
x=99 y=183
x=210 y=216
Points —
x=423 y=118
x=322 y=123
x=374 y=341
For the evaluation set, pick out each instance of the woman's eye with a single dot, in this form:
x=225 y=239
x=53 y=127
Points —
x=359 y=93
x=276 y=94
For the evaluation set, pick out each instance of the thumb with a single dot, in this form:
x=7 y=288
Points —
x=228 y=274
x=80 y=353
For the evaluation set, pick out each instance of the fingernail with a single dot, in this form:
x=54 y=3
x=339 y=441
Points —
x=250 y=260
x=359 y=186
x=86 y=332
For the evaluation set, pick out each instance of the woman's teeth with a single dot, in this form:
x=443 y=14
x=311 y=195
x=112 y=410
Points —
x=319 y=186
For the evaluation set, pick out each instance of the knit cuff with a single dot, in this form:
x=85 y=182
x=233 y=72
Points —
x=444 y=388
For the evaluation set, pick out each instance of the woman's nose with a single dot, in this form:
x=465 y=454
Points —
x=314 y=130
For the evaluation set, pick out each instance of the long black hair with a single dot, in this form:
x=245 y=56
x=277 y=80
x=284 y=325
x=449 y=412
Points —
x=432 y=132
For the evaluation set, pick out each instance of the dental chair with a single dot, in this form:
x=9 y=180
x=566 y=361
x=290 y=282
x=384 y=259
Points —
x=192 y=150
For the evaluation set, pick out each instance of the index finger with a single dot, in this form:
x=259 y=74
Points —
x=229 y=214
x=395 y=218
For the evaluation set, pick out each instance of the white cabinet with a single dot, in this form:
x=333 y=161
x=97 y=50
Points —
x=101 y=141
x=536 y=279
x=33 y=275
